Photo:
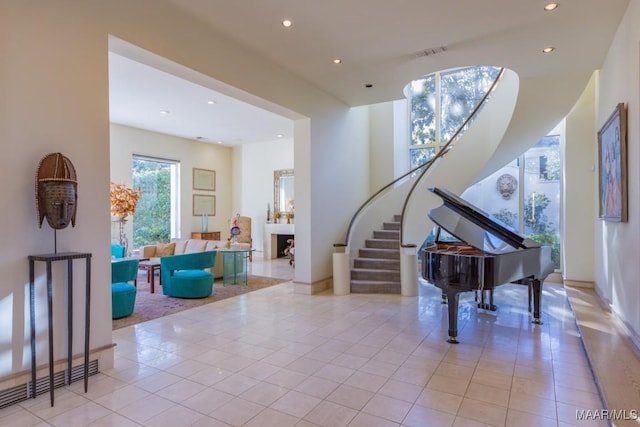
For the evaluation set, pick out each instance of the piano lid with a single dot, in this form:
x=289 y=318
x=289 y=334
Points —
x=475 y=227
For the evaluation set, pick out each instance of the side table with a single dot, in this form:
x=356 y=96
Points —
x=49 y=259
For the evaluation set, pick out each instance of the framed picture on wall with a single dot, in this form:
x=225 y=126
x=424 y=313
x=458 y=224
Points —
x=204 y=179
x=204 y=204
x=612 y=166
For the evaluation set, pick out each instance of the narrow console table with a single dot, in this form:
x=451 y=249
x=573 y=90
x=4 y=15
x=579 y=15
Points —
x=49 y=259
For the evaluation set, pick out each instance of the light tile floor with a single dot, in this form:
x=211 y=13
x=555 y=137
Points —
x=276 y=358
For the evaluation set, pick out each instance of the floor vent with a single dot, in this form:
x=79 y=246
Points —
x=22 y=392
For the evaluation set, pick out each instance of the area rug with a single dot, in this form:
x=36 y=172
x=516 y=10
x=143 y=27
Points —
x=153 y=305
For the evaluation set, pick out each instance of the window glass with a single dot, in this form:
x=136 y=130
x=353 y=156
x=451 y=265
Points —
x=420 y=155
x=422 y=111
x=542 y=194
x=460 y=92
x=154 y=216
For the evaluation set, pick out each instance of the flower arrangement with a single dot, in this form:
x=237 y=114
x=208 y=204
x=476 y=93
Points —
x=276 y=216
x=289 y=216
x=123 y=200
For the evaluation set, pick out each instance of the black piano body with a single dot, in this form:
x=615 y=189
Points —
x=484 y=254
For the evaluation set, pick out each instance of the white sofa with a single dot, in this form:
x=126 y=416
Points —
x=184 y=246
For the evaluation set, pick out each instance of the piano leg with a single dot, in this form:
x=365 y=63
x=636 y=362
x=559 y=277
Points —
x=483 y=304
x=444 y=298
x=453 y=299
x=536 y=286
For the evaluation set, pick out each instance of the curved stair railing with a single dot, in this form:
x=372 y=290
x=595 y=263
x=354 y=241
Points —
x=445 y=149
x=421 y=171
x=379 y=260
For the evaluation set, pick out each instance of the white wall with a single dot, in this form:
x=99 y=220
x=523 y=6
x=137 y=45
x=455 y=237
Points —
x=579 y=196
x=259 y=161
x=127 y=141
x=618 y=244
x=381 y=153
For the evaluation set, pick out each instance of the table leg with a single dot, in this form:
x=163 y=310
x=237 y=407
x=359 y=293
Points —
x=69 y=320
x=152 y=281
x=87 y=317
x=32 y=314
x=50 y=319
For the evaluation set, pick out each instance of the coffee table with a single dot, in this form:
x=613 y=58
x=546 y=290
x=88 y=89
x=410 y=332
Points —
x=151 y=265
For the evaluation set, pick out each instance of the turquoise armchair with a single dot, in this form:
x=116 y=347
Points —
x=123 y=293
x=117 y=251
x=184 y=275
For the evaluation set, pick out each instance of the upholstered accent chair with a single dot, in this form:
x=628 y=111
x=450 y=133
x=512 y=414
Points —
x=245 y=240
x=117 y=251
x=123 y=293
x=184 y=276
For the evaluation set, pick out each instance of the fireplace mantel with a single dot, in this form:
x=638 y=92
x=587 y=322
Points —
x=270 y=241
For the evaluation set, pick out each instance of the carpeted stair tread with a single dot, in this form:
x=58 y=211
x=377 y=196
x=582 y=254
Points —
x=387 y=234
x=382 y=243
x=377 y=263
x=377 y=267
x=375 y=287
x=391 y=226
x=374 y=274
x=379 y=253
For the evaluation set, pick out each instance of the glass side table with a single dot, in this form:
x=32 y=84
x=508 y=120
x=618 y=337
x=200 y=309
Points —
x=234 y=266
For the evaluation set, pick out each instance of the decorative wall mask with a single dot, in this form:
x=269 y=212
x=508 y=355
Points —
x=56 y=191
x=506 y=185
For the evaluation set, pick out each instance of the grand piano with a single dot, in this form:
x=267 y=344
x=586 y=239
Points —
x=479 y=255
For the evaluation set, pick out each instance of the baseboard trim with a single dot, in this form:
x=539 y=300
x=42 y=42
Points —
x=312 y=288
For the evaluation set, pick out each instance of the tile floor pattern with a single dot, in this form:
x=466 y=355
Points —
x=275 y=358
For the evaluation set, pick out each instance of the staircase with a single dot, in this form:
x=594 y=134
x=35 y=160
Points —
x=377 y=267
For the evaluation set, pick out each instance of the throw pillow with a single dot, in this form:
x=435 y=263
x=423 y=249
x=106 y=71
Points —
x=165 y=249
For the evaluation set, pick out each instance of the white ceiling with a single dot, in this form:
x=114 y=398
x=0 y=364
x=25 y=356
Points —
x=381 y=43
x=138 y=93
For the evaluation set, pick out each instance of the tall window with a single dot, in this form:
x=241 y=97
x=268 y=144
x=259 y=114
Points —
x=439 y=103
x=155 y=219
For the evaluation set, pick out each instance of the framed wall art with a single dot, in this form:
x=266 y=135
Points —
x=204 y=204
x=204 y=179
x=612 y=166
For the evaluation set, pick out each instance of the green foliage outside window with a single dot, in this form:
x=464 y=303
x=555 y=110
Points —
x=151 y=221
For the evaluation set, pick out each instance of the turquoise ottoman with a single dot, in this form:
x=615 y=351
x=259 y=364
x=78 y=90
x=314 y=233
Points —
x=123 y=299
x=191 y=284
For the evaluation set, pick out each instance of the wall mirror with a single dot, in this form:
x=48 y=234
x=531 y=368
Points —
x=283 y=194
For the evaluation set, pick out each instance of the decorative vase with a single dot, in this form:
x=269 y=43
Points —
x=205 y=223
x=123 y=240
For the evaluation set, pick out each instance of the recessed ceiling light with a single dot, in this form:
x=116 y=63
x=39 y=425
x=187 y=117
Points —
x=337 y=61
x=280 y=135
x=165 y=112
x=219 y=142
x=287 y=23
x=550 y=6
x=548 y=49
x=368 y=85
x=211 y=102
x=200 y=138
